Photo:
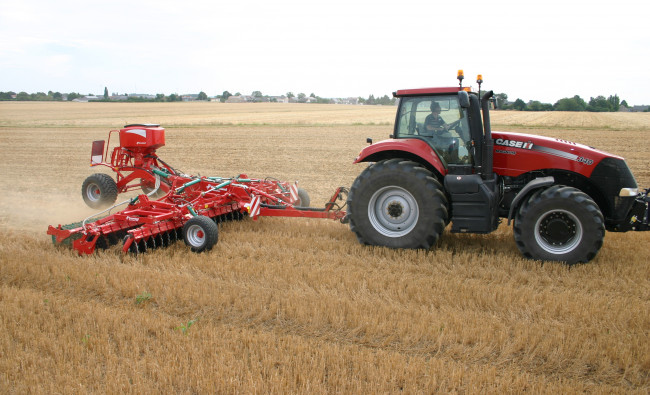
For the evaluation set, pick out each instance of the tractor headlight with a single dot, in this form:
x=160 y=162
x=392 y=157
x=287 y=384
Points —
x=627 y=192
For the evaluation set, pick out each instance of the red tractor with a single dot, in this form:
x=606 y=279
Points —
x=443 y=164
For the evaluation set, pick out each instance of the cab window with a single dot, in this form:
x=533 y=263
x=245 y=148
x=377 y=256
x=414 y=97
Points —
x=438 y=120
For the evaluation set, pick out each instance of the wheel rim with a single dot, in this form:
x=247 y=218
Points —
x=558 y=231
x=393 y=211
x=93 y=192
x=195 y=236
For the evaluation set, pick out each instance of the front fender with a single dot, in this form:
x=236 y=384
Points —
x=413 y=149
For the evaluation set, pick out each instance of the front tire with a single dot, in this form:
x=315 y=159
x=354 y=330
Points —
x=200 y=233
x=398 y=204
x=559 y=223
x=99 y=190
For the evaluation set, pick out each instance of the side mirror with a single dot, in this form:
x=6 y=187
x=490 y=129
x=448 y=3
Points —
x=463 y=99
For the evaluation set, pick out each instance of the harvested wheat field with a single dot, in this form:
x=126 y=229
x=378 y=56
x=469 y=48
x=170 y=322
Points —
x=285 y=305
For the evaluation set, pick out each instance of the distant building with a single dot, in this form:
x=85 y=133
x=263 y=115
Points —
x=86 y=99
x=346 y=100
x=237 y=99
x=278 y=99
x=142 y=96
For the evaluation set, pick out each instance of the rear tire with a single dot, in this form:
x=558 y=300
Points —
x=200 y=233
x=397 y=204
x=99 y=191
x=559 y=223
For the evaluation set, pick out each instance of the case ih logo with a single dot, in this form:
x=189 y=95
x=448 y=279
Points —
x=514 y=143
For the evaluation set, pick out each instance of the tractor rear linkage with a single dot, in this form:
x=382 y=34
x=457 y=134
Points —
x=188 y=207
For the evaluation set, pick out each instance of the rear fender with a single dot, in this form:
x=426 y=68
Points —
x=412 y=149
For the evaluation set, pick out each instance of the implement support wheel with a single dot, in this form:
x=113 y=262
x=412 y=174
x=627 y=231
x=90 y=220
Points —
x=200 y=233
x=99 y=190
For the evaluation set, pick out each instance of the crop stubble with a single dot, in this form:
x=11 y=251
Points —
x=292 y=305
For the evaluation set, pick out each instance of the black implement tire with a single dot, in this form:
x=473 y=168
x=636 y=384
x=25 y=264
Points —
x=99 y=190
x=303 y=198
x=200 y=233
x=559 y=223
x=398 y=204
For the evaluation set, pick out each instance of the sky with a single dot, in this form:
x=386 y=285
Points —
x=531 y=50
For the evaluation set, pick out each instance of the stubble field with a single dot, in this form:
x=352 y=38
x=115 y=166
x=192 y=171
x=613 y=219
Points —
x=297 y=305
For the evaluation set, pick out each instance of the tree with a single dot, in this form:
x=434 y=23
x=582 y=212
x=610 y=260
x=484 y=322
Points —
x=502 y=100
x=174 y=97
x=599 y=104
x=535 y=105
x=385 y=101
x=302 y=97
x=7 y=95
x=202 y=96
x=519 y=105
x=290 y=95
x=614 y=102
x=257 y=96
x=570 y=104
x=105 y=93
x=624 y=104
x=224 y=96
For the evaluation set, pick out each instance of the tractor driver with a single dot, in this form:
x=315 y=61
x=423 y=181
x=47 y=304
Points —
x=434 y=122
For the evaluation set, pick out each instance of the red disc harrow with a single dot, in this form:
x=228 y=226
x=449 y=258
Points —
x=174 y=205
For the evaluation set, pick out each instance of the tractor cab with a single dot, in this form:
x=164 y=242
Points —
x=440 y=121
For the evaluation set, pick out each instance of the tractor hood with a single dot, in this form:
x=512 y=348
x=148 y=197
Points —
x=518 y=153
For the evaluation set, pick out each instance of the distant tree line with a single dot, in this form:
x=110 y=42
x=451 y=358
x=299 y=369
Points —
x=58 y=96
x=39 y=96
x=382 y=101
x=575 y=103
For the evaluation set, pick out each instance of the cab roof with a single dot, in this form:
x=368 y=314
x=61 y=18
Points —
x=426 y=91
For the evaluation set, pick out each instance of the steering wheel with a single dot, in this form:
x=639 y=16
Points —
x=453 y=124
